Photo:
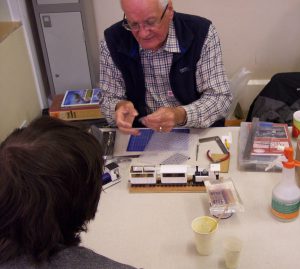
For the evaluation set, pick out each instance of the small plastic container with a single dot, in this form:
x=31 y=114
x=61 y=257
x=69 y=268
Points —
x=224 y=199
x=255 y=162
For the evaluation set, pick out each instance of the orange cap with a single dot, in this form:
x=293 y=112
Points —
x=291 y=162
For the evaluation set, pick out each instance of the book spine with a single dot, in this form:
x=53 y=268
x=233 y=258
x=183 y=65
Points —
x=77 y=114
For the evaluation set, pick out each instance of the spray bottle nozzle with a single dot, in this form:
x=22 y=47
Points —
x=277 y=162
x=290 y=162
x=287 y=160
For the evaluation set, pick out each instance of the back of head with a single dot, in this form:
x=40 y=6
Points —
x=50 y=184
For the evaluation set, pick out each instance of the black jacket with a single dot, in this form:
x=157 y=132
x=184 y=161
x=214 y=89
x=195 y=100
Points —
x=278 y=100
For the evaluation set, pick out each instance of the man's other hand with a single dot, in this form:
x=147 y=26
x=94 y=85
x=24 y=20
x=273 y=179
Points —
x=165 y=119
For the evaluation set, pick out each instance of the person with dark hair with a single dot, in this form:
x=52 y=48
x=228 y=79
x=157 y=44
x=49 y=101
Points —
x=161 y=69
x=50 y=185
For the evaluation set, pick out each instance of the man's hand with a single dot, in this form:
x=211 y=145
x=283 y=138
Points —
x=124 y=117
x=165 y=118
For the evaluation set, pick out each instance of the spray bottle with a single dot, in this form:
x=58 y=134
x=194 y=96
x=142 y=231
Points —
x=286 y=195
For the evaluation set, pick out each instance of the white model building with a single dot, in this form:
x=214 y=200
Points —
x=143 y=175
x=173 y=174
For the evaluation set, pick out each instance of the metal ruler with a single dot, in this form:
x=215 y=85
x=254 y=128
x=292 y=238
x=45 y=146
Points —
x=218 y=140
x=250 y=139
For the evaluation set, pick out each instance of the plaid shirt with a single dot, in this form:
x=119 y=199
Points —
x=211 y=81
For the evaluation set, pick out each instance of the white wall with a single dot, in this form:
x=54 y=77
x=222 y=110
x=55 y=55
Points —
x=19 y=81
x=4 y=13
x=261 y=35
x=19 y=103
x=18 y=12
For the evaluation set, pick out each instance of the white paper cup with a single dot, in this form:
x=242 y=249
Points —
x=232 y=250
x=204 y=230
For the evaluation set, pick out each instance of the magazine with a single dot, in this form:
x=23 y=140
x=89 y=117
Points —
x=81 y=97
x=270 y=139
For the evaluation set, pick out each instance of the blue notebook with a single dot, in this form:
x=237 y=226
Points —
x=138 y=143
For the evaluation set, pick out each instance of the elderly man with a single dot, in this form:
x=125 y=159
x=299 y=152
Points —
x=161 y=69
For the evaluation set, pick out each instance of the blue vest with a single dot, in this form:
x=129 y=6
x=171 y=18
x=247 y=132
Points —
x=191 y=32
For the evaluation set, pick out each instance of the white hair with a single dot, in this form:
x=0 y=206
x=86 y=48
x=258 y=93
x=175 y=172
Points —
x=163 y=3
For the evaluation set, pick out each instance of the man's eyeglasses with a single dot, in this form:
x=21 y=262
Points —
x=148 y=24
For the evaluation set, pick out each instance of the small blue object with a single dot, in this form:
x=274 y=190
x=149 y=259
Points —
x=138 y=143
x=106 y=178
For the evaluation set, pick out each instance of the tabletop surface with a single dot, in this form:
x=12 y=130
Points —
x=153 y=230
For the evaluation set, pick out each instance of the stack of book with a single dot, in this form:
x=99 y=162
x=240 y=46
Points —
x=80 y=104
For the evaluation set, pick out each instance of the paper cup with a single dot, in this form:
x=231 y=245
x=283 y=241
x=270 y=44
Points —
x=296 y=124
x=204 y=230
x=232 y=250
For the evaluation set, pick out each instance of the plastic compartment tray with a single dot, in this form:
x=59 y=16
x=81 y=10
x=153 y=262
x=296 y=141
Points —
x=254 y=163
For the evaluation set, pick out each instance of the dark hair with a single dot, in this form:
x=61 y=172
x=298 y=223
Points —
x=50 y=185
